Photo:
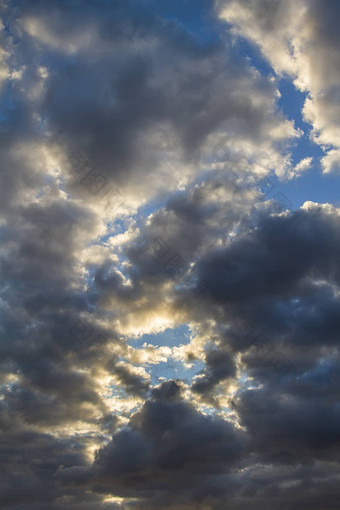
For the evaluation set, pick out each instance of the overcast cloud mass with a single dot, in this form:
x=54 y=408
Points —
x=169 y=257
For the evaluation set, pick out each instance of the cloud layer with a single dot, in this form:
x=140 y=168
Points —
x=169 y=328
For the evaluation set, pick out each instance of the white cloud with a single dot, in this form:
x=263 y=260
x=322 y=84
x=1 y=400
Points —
x=299 y=38
x=331 y=162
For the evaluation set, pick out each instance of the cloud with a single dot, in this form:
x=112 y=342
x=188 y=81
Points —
x=136 y=144
x=167 y=442
x=303 y=165
x=300 y=39
x=330 y=162
x=146 y=131
x=219 y=366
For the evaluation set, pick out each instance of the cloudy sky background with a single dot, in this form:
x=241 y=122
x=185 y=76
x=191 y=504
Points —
x=169 y=258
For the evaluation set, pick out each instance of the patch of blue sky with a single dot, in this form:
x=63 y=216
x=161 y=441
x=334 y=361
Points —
x=173 y=369
x=291 y=103
x=170 y=369
x=311 y=185
x=169 y=337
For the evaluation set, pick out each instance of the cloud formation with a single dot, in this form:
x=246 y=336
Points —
x=169 y=333
x=300 y=39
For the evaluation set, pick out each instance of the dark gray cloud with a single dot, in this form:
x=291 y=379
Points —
x=219 y=365
x=146 y=68
x=131 y=381
x=167 y=451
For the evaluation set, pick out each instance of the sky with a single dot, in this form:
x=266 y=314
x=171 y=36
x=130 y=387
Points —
x=169 y=255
